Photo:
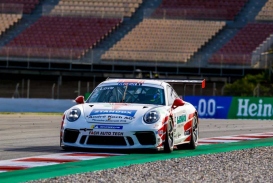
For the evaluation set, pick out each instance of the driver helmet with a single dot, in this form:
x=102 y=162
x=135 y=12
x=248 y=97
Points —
x=153 y=94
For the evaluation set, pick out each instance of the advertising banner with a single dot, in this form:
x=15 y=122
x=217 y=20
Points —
x=251 y=108
x=210 y=107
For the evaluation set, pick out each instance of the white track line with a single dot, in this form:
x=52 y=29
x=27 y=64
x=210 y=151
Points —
x=216 y=141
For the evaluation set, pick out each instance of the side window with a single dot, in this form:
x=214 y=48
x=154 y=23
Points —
x=171 y=95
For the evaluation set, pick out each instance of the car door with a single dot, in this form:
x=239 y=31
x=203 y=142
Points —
x=179 y=115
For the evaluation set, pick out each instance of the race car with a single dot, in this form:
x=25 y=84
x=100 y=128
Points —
x=132 y=114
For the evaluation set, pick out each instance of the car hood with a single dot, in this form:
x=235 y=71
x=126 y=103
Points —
x=115 y=112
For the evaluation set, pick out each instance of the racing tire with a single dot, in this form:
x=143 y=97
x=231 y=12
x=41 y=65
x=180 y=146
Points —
x=67 y=148
x=194 y=136
x=169 y=140
x=195 y=133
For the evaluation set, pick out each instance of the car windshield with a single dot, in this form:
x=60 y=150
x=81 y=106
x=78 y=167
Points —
x=128 y=94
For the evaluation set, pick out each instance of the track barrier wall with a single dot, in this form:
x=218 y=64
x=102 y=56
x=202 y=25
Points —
x=208 y=107
x=35 y=105
x=233 y=107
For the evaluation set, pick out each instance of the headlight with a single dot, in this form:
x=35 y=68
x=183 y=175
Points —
x=151 y=117
x=73 y=114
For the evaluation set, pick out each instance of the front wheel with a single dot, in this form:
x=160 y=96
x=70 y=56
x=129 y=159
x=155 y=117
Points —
x=168 y=144
x=194 y=134
x=67 y=148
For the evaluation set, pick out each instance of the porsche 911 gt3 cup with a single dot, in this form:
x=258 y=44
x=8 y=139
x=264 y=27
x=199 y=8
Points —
x=132 y=114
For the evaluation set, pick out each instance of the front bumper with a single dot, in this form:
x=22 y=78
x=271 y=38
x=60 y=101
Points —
x=85 y=138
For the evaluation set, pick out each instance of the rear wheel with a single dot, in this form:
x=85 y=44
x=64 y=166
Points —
x=168 y=144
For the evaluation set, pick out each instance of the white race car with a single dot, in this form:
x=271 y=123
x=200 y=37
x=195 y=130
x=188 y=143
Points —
x=132 y=113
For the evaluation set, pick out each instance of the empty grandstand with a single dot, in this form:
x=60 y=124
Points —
x=89 y=40
x=266 y=14
x=164 y=40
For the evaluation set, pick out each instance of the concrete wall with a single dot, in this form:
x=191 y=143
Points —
x=34 y=105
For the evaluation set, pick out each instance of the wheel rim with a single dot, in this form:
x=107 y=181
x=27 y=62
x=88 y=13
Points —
x=170 y=135
x=195 y=130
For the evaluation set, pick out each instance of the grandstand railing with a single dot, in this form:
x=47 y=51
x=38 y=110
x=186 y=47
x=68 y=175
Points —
x=248 y=60
x=48 y=10
x=41 y=54
x=122 y=58
x=11 y=8
x=188 y=13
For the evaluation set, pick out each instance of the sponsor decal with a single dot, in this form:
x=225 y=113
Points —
x=117 y=105
x=160 y=132
x=129 y=113
x=129 y=118
x=97 y=120
x=114 y=117
x=106 y=127
x=181 y=119
x=179 y=125
x=187 y=132
x=251 y=108
x=132 y=82
x=102 y=133
x=210 y=107
x=96 y=117
x=106 y=88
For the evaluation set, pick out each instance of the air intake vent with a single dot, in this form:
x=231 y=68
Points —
x=71 y=135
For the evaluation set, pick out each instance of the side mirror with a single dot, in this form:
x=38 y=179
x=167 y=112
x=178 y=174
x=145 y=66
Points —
x=178 y=102
x=79 y=99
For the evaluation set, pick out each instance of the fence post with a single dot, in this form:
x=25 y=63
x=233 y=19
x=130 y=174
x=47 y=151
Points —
x=193 y=90
x=16 y=92
x=214 y=89
x=58 y=86
x=223 y=89
x=52 y=91
x=94 y=81
x=79 y=88
x=87 y=87
x=28 y=85
x=256 y=90
x=22 y=92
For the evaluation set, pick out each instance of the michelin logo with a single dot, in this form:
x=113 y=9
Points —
x=117 y=112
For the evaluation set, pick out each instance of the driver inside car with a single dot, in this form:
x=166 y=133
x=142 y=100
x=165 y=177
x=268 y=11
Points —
x=152 y=96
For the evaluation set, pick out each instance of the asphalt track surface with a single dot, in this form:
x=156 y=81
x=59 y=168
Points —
x=24 y=135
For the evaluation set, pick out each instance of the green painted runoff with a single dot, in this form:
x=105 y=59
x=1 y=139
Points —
x=126 y=160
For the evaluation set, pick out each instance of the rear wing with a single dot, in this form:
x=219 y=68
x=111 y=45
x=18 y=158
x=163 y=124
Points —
x=171 y=81
x=186 y=82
